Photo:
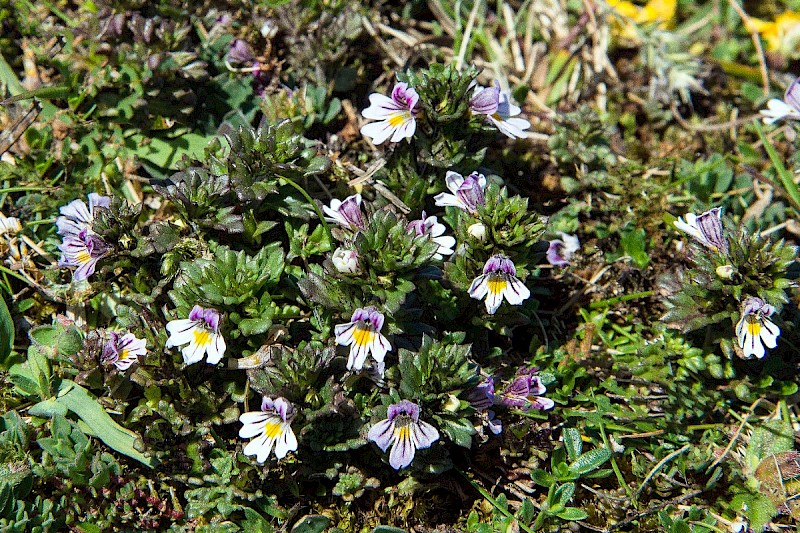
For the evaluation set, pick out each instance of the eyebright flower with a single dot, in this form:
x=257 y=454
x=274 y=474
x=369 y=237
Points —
x=560 y=251
x=347 y=213
x=82 y=250
x=272 y=426
x=754 y=330
x=396 y=115
x=403 y=428
x=706 y=229
x=77 y=216
x=123 y=351
x=499 y=279
x=499 y=110
x=525 y=392
x=788 y=108
x=201 y=332
x=481 y=397
x=363 y=335
x=345 y=261
x=431 y=226
x=467 y=192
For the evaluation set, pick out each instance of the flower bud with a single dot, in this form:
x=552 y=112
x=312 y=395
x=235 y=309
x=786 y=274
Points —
x=452 y=404
x=725 y=271
x=478 y=230
x=345 y=261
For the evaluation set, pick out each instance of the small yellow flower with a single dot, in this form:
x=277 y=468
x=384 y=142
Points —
x=781 y=35
x=661 y=12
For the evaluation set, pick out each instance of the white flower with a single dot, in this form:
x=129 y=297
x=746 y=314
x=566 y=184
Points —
x=396 y=115
x=788 y=108
x=272 y=427
x=497 y=107
x=467 y=192
x=561 y=251
x=499 y=280
x=404 y=431
x=123 y=351
x=346 y=213
x=363 y=335
x=478 y=230
x=9 y=225
x=706 y=228
x=77 y=216
x=201 y=332
x=754 y=330
x=431 y=226
x=345 y=261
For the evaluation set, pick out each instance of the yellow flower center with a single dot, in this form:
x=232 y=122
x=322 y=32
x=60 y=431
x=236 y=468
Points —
x=272 y=429
x=83 y=257
x=397 y=119
x=201 y=337
x=403 y=432
x=496 y=285
x=363 y=336
x=753 y=325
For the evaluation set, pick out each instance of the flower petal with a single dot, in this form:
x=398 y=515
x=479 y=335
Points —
x=382 y=434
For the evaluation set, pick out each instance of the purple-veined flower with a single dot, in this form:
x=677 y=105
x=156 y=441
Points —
x=706 y=228
x=200 y=332
x=82 y=250
x=431 y=226
x=561 y=251
x=123 y=350
x=272 y=428
x=499 y=279
x=525 y=392
x=76 y=216
x=754 y=331
x=395 y=116
x=346 y=213
x=788 y=108
x=499 y=110
x=363 y=335
x=482 y=399
x=467 y=193
x=405 y=430
x=345 y=261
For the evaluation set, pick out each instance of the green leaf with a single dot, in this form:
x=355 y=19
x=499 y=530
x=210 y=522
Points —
x=6 y=334
x=590 y=461
x=572 y=513
x=98 y=422
x=311 y=524
x=388 y=529
x=573 y=443
x=543 y=478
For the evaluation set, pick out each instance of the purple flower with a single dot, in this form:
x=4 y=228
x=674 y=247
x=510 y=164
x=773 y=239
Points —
x=499 y=279
x=499 y=110
x=82 y=250
x=524 y=392
x=431 y=226
x=467 y=192
x=482 y=396
x=201 y=332
x=706 y=229
x=272 y=427
x=754 y=330
x=395 y=115
x=363 y=335
x=77 y=216
x=240 y=52
x=404 y=429
x=561 y=251
x=347 y=213
x=123 y=351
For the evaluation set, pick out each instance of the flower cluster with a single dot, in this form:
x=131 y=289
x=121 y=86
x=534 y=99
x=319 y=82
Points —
x=81 y=247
